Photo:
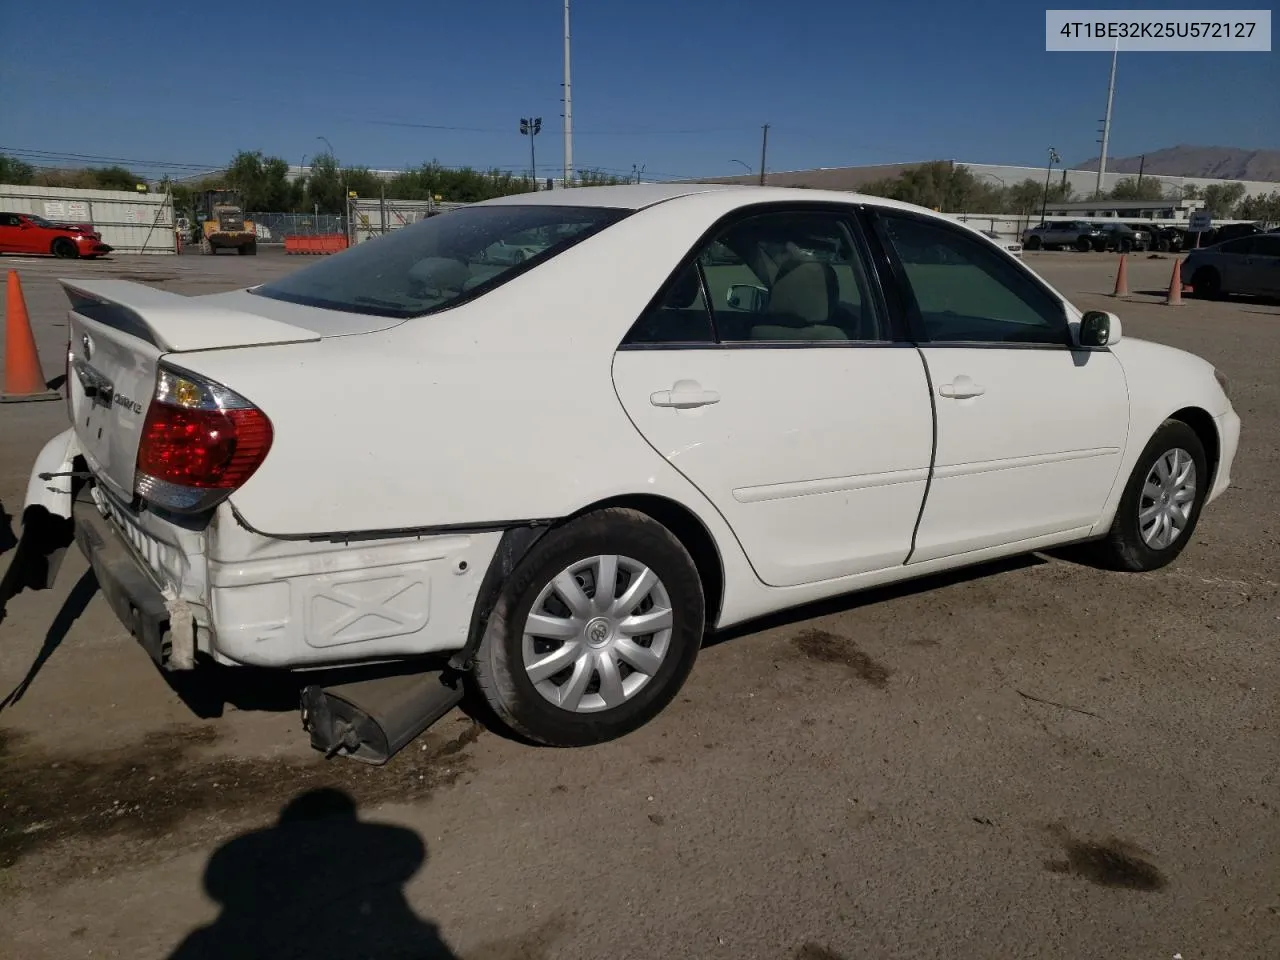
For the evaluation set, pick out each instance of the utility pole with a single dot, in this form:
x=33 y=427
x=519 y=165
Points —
x=1053 y=158
x=764 y=147
x=568 y=105
x=530 y=127
x=1142 y=163
x=1106 y=124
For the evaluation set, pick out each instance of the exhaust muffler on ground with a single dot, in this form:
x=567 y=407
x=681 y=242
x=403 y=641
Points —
x=372 y=720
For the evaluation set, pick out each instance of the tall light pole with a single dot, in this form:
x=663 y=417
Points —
x=568 y=105
x=1053 y=158
x=530 y=127
x=1106 y=123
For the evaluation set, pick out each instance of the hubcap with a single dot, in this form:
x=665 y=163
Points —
x=597 y=633
x=1168 y=494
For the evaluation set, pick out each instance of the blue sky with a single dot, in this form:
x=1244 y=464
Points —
x=678 y=86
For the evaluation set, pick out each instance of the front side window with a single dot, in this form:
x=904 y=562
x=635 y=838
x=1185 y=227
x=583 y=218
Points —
x=441 y=261
x=966 y=292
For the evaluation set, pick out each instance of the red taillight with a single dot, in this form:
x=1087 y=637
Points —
x=210 y=449
x=200 y=441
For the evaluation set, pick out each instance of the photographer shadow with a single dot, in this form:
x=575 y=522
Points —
x=317 y=884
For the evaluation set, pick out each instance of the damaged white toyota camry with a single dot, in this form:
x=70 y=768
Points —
x=682 y=407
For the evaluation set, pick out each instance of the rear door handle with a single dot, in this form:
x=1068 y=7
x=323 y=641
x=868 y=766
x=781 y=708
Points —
x=684 y=395
x=962 y=388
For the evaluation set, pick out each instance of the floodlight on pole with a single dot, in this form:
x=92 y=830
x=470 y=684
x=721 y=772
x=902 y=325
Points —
x=530 y=127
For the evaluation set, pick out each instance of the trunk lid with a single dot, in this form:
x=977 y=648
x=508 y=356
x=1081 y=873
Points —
x=119 y=332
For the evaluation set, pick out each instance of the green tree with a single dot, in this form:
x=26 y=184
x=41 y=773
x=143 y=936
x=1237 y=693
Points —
x=16 y=172
x=1220 y=199
x=1264 y=207
x=263 y=182
x=1131 y=188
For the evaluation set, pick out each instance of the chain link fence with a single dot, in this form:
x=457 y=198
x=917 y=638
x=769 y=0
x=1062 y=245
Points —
x=274 y=227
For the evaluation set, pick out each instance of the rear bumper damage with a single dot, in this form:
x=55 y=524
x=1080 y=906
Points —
x=240 y=597
x=133 y=593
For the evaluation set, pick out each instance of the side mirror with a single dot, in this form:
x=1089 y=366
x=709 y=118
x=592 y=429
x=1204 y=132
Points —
x=1099 y=329
x=24 y=225
x=747 y=296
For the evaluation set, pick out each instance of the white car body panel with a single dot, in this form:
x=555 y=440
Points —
x=1036 y=453
x=848 y=434
x=402 y=449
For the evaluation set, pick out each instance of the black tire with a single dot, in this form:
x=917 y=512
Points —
x=1084 y=244
x=1207 y=283
x=499 y=674
x=1123 y=548
x=64 y=249
x=1033 y=243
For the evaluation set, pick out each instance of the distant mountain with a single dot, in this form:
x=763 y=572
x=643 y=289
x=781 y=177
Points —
x=1224 y=163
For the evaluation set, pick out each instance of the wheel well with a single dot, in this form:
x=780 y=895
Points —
x=1202 y=423
x=689 y=530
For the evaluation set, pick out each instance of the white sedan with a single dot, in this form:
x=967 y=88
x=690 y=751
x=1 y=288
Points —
x=689 y=406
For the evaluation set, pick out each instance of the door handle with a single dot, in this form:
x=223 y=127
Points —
x=684 y=395
x=962 y=388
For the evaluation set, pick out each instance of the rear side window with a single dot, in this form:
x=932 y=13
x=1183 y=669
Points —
x=441 y=261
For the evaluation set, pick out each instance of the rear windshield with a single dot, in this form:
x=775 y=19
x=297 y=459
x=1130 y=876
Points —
x=441 y=261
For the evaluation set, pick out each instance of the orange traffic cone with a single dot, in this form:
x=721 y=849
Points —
x=1175 y=286
x=1122 y=279
x=23 y=379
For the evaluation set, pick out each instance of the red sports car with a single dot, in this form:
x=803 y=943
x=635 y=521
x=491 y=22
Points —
x=27 y=233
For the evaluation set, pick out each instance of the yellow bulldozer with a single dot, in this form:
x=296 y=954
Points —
x=222 y=223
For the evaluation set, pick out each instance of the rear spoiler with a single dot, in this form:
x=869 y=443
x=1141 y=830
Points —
x=172 y=322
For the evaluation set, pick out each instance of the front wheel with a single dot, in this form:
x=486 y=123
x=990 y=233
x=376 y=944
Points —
x=1207 y=283
x=595 y=631
x=1084 y=244
x=65 y=249
x=1161 y=503
x=1033 y=243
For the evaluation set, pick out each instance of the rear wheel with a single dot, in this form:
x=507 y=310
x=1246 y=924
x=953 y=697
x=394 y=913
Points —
x=65 y=249
x=595 y=631
x=1161 y=503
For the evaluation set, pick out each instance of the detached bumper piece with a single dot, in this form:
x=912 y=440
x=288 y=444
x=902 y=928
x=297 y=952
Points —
x=128 y=587
x=372 y=720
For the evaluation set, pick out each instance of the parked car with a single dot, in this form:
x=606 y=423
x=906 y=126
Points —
x=1079 y=234
x=1011 y=246
x=564 y=475
x=1229 y=231
x=1245 y=265
x=1167 y=239
x=27 y=233
x=1121 y=238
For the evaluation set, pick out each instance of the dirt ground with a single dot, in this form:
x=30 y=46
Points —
x=1033 y=758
